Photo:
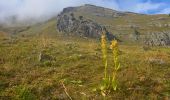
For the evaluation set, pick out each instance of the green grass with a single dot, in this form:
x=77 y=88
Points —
x=122 y=26
x=78 y=62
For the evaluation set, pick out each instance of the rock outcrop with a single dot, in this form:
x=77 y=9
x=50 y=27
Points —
x=135 y=36
x=71 y=25
x=158 y=39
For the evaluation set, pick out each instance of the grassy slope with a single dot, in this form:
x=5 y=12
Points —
x=121 y=26
x=78 y=62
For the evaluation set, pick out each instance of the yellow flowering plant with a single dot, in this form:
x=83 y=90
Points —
x=109 y=83
x=106 y=79
x=115 y=51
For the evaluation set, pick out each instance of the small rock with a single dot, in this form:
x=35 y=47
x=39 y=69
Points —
x=156 y=61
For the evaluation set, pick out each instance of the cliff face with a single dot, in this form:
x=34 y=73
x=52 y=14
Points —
x=71 y=25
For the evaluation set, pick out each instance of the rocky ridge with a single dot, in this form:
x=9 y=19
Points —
x=80 y=26
x=90 y=21
x=158 y=39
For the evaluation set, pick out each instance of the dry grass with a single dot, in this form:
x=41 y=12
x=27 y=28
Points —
x=78 y=62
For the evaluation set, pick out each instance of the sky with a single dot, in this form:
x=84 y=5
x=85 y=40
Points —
x=45 y=9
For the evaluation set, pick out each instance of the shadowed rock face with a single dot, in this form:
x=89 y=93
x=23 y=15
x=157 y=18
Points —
x=71 y=25
x=68 y=24
x=158 y=39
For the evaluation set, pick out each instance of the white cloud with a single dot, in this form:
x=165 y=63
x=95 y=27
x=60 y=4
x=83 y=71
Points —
x=165 y=11
x=139 y=6
x=146 y=6
x=39 y=9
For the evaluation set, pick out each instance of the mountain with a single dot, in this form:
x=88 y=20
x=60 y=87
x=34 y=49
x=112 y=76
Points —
x=151 y=29
x=123 y=25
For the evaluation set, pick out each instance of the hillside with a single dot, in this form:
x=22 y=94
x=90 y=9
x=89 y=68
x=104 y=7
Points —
x=40 y=63
x=123 y=21
x=123 y=25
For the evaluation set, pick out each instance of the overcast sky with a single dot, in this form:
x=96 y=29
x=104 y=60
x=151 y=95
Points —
x=24 y=9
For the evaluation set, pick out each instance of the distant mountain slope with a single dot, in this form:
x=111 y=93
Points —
x=123 y=25
x=122 y=21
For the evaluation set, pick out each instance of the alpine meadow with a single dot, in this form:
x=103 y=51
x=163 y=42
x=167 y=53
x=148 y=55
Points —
x=85 y=52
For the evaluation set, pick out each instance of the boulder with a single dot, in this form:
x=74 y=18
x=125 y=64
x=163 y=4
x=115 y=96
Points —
x=158 y=39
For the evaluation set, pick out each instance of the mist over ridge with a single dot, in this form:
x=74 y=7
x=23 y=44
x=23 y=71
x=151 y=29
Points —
x=40 y=10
